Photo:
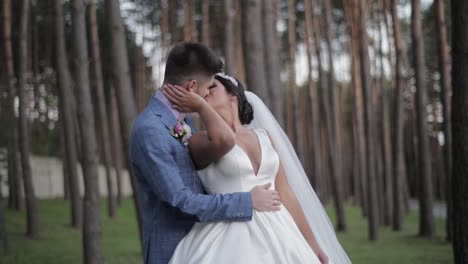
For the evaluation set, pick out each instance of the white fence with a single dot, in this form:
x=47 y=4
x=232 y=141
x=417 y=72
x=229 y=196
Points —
x=47 y=174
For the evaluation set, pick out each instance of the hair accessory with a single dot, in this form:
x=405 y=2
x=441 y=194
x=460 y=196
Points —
x=227 y=77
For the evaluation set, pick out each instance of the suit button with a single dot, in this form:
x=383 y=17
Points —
x=234 y=214
x=238 y=214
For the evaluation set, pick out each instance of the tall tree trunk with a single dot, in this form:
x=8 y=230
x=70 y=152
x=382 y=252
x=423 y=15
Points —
x=293 y=114
x=173 y=7
x=369 y=125
x=253 y=48
x=189 y=22
x=272 y=60
x=66 y=102
x=116 y=142
x=334 y=127
x=460 y=130
x=386 y=133
x=426 y=217
x=444 y=69
x=13 y=172
x=230 y=38
x=206 y=22
x=313 y=97
x=352 y=12
x=398 y=123
x=89 y=158
x=102 y=115
x=164 y=23
x=31 y=207
x=239 y=39
x=3 y=234
x=123 y=85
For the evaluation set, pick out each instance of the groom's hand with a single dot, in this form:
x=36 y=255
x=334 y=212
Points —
x=264 y=200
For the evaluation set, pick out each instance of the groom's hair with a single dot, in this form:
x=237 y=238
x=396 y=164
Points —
x=190 y=61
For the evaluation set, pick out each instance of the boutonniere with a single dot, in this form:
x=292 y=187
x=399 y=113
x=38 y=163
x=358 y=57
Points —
x=181 y=131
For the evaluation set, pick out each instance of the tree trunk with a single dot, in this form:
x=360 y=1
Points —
x=369 y=125
x=230 y=38
x=31 y=207
x=444 y=69
x=66 y=101
x=272 y=61
x=116 y=142
x=426 y=217
x=386 y=133
x=173 y=7
x=189 y=22
x=12 y=147
x=398 y=123
x=460 y=130
x=294 y=119
x=164 y=23
x=313 y=97
x=3 y=234
x=89 y=159
x=123 y=85
x=206 y=22
x=102 y=116
x=334 y=127
x=240 y=65
x=253 y=48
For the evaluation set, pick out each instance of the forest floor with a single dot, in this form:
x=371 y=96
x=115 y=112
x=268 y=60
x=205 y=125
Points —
x=61 y=244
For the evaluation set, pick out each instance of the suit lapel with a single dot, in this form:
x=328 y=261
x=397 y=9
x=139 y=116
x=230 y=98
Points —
x=159 y=109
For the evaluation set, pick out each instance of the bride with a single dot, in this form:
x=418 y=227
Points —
x=242 y=147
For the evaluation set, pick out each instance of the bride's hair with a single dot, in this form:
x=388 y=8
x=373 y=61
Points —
x=246 y=113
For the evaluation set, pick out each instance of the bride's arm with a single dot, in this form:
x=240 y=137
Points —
x=205 y=146
x=289 y=200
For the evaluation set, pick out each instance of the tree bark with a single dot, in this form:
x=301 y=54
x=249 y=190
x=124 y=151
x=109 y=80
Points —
x=253 y=48
x=89 y=159
x=116 y=143
x=205 y=22
x=293 y=108
x=102 y=115
x=123 y=85
x=334 y=127
x=12 y=147
x=66 y=101
x=398 y=123
x=31 y=207
x=272 y=60
x=444 y=70
x=386 y=133
x=3 y=234
x=459 y=130
x=164 y=23
x=313 y=97
x=369 y=125
x=230 y=38
x=426 y=217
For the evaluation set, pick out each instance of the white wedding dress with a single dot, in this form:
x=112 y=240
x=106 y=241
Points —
x=270 y=237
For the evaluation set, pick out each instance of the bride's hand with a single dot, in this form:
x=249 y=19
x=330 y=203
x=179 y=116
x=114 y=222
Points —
x=321 y=256
x=182 y=99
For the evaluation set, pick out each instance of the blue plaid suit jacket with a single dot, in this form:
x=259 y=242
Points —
x=172 y=197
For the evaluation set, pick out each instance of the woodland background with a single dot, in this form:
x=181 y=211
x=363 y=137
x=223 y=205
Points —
x=367 y=91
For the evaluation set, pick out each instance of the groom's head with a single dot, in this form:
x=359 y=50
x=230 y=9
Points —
x=192 y=66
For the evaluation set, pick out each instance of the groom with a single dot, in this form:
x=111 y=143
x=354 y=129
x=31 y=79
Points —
x=172 y=197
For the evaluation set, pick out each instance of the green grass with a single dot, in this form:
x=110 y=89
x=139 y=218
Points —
x=393 y=247
x=59 y=243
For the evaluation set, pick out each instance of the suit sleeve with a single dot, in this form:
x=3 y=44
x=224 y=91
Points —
x=161 y=172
